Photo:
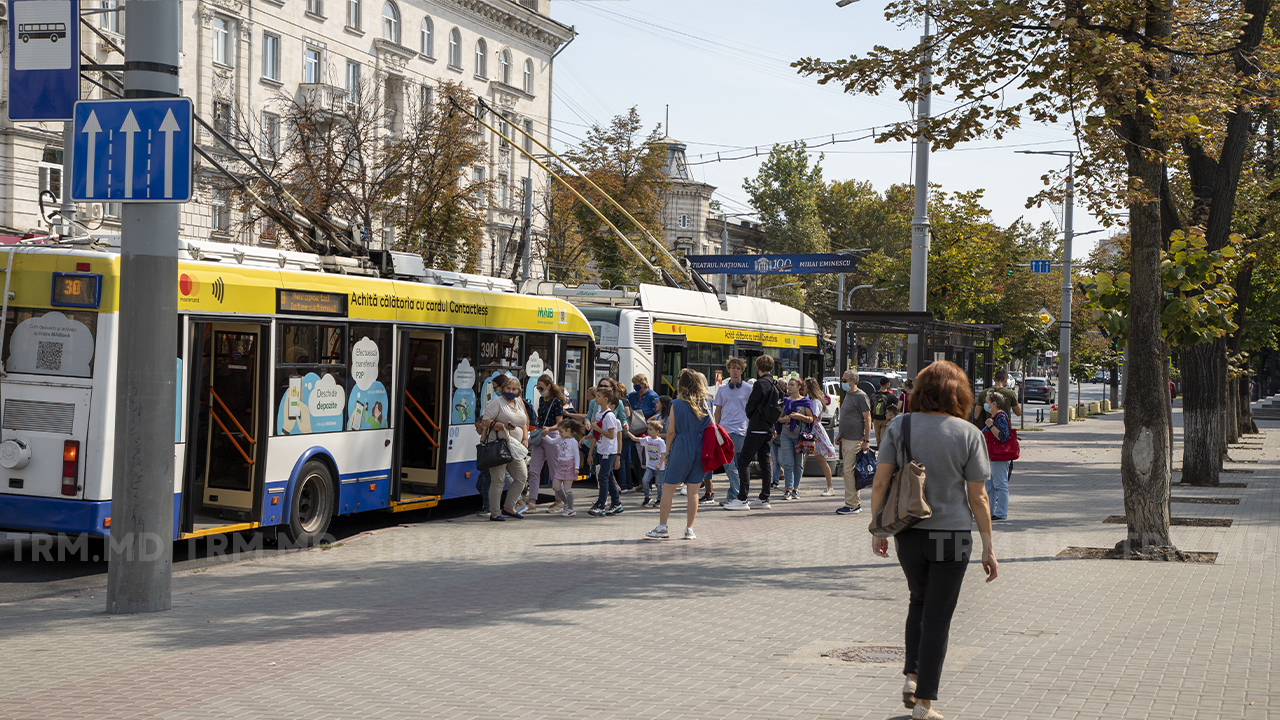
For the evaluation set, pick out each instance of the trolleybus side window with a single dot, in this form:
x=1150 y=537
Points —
x=466 y=360
x=500 y=353
x=542 y=345
x=50 y=342
x=311 y=372
x=788 y=361
x=368 y=401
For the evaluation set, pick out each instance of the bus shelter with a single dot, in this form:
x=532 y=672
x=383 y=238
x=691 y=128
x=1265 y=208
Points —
x=969 y=345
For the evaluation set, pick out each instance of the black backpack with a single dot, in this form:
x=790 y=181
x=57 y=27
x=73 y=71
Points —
x=771 y=409
x=880 y=405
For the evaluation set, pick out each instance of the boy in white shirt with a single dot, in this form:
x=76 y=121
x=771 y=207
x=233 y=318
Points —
x=655 y=461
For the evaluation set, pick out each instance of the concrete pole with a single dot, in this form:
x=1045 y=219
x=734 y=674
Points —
x=528 y=223
x=141 y=548
x=841 y=364
x=919 y=297
x=67 y=210
x=1064 y=320
x=724 y=250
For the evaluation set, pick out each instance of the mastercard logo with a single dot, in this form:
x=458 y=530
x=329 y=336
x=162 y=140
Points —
x=188 y=285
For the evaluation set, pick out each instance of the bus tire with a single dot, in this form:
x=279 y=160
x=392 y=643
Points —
x=26 y=38
x=53 y=38
x=311 y=507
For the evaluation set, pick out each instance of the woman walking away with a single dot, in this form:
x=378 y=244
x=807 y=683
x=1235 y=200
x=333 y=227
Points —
x=690 y=418
x=797 y=417
x=608 y=429
x=551 y=402
x=934 y=553
x=655 y=450
x=563 y=454
x=818 y=401
x=505 y=417
x=998 y=430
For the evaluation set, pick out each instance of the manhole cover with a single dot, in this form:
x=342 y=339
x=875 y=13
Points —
x=880 y=654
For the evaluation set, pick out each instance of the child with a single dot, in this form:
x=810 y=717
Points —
x=655 y=461
x=563 y=452
x=609 y=431
x=890 y=413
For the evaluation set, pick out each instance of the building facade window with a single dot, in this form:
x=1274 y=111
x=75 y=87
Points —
x=426 y=99
x=455 y=49
x=528 y=76
x=222 y=117
x=271 y=135
x=316 y=7
x=353 y=14
x=427 y=38
x=221 y=210
x=112 y=21
x=311 y=65
x=223 y=36
x=482 y=59
x=477 y=176
x=353 y=82
x=504 y=67
x=271 y=56
x=504 y=191
x=390 y=22
x=504 y=129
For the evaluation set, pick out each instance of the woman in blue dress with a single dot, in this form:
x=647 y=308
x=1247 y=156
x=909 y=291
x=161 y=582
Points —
x=690 y=417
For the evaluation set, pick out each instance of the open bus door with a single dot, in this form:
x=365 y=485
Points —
x=222 y=480
x=422 y=431
x=670 y=358
x=575 y=371
x=811 y=364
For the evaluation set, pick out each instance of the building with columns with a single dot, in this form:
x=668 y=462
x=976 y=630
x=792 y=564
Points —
x=239 y=56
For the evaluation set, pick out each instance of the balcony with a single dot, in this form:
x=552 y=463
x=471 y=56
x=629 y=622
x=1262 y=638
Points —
x=322 y=95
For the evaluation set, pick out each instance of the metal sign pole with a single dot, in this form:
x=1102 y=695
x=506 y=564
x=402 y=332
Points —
x=141 y=547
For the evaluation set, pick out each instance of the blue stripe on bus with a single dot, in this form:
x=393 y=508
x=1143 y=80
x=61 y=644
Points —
x=55 y=515
x=460 y=479
x=364 y=491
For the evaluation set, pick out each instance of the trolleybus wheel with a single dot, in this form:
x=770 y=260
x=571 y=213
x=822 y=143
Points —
x=311 y=507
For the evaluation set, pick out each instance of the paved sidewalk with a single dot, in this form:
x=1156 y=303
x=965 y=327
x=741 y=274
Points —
x=578 y=618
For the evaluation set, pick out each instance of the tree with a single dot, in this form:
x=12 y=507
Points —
x=1146 y=85
x=628 y=165
x=785 y=192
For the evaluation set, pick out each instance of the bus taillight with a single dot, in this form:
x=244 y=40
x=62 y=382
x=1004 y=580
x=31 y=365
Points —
x=70 y=466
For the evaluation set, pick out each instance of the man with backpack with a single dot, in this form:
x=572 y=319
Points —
x=880 y=404
x=855 y=437
x=764 y=407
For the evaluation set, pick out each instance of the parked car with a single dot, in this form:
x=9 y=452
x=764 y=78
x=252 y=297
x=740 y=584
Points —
x=1037 y=388
x=869 y=381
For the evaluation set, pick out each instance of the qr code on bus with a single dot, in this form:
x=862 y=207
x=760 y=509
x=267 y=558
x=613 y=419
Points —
x=49 y=356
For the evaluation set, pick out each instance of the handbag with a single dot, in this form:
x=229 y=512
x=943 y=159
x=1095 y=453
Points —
x=904 y=504
x=638 y=423
x=807 y=444
x=999 y=451
x=492 y=453
x=535 y=437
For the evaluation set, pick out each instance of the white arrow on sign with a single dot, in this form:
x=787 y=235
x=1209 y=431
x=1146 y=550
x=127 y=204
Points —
x=129 y=127
x=91 y=128
x=168 y=127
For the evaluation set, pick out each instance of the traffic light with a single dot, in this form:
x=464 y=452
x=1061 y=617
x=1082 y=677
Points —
x=1008 y=269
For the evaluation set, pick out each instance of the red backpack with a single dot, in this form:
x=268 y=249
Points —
x=717 y=448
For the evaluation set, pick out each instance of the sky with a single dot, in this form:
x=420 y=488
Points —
x=721 y=69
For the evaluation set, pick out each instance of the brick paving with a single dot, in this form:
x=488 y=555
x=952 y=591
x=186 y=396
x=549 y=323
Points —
x=579 y=618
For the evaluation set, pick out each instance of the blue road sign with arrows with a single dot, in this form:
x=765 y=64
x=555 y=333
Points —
x=132 y=151
x=1041 y=266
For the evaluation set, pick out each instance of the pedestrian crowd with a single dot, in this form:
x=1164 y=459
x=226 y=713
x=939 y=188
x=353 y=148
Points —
x=638 y=441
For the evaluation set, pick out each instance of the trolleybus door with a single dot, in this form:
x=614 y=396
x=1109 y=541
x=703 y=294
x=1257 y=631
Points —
x=811 y=364
x=671 y=359
x=575 y=371
x=223 y=467
x=422 y=432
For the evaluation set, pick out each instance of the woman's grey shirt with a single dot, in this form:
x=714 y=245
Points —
x=952 y=452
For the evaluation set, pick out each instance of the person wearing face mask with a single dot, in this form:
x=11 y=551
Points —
x=505 y=415
x=998 y=427
x=855 y=437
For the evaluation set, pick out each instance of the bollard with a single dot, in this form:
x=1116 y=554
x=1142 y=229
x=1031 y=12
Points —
x=1095 y=408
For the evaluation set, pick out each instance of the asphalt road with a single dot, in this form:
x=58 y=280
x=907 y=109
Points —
x=70 y=566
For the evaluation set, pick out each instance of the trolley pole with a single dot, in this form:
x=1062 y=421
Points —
x=918 y=298
x=141 y=548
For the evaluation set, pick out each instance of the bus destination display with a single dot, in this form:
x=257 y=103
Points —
x=307 y=302
x=76 y=290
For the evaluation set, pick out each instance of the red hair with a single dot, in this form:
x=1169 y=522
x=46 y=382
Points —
x=942 y=387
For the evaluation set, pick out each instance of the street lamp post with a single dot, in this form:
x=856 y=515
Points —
x=1064 y=319
x=918 y=300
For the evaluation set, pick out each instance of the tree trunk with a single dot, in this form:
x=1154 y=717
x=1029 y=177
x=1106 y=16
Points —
x=1144 y=458
x=1231 y=428
x=1202 y=404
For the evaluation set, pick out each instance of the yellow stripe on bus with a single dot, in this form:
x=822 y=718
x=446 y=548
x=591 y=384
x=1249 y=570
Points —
x=415 y=505
x=728 y=336
x=219 y=530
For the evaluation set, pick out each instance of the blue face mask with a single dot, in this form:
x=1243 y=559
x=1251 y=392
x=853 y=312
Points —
x=844 y=386
x=510 y=395
x=636 y=387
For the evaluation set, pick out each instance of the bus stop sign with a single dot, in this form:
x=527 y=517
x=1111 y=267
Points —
x=44 y=59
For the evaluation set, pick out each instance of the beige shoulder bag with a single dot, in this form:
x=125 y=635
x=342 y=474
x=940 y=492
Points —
x=904 y=503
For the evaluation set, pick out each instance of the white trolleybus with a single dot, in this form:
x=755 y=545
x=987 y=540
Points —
x=658 y=331
x=302 y=393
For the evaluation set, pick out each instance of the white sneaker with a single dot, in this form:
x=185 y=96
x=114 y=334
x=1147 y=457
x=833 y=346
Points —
x=683 y=491
x=736 y=504
x=828 y=492
x=555 y=507
x=658 y=533
x=688 y=534
x=567 y=513
x=762 y=505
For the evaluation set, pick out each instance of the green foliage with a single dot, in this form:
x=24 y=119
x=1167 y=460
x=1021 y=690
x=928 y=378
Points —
x=1197 y=304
